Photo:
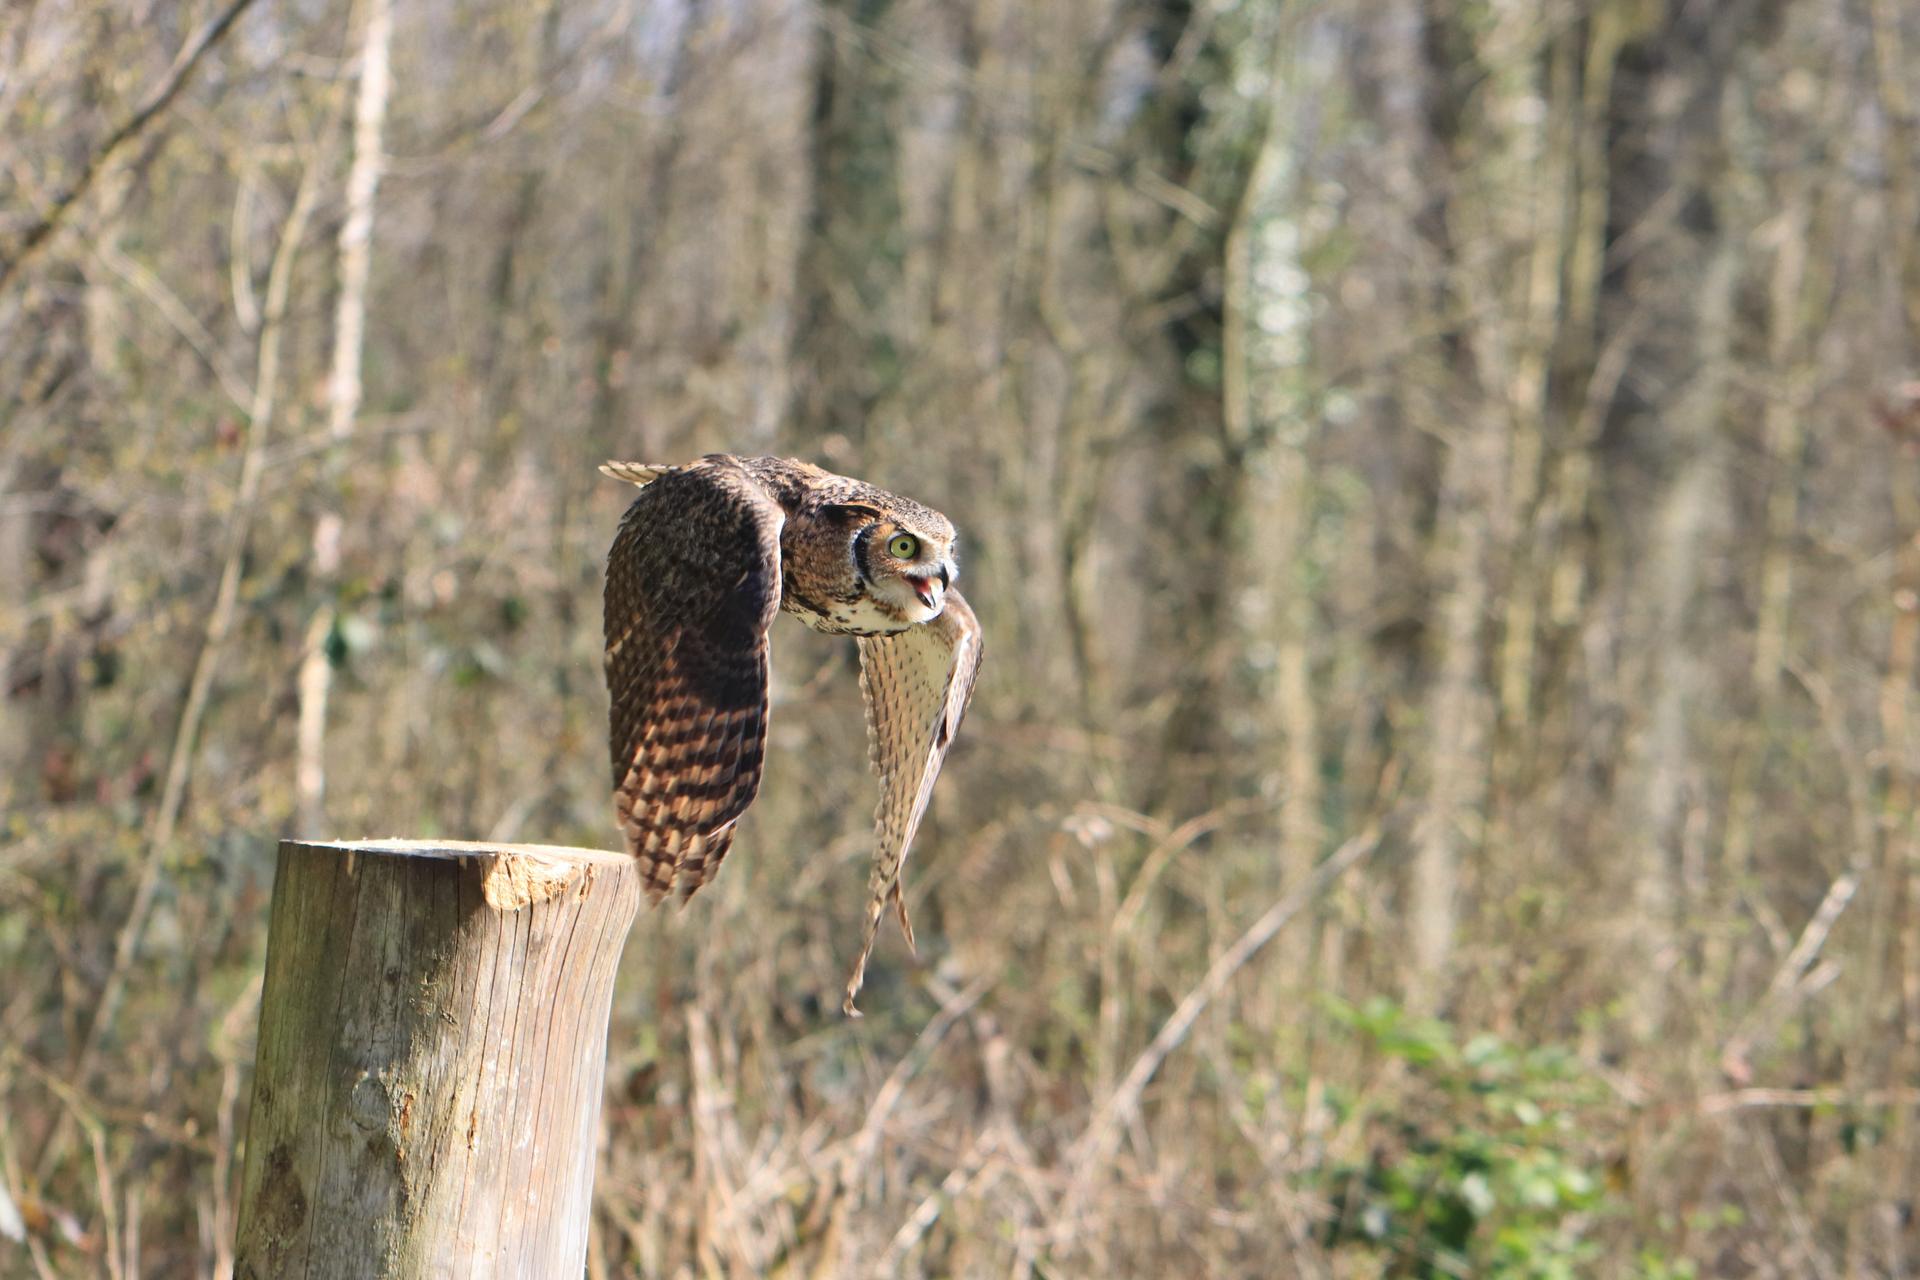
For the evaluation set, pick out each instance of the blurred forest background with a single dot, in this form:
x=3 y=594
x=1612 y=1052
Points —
x=1468 y=447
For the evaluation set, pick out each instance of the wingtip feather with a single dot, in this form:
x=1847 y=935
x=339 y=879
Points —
x=859 y=976
x=906 y=925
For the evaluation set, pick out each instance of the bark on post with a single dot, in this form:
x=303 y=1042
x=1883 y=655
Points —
x=432 y=1044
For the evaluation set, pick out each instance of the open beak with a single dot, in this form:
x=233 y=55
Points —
x=931 y=595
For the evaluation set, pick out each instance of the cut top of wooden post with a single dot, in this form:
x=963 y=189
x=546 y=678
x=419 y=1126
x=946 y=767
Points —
x=431 y=1056
x=511 y=875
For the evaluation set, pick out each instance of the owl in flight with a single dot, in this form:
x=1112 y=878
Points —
x=704 y=557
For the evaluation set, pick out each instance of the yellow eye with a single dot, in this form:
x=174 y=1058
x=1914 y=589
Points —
x=903 y=546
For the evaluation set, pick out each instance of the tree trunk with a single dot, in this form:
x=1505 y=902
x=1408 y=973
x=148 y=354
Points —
x=1458 y=711
x=432 y=1041
x=344 y=393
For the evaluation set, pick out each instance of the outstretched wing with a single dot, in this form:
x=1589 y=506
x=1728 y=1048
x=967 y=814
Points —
x=693 y=581
x=917 y=685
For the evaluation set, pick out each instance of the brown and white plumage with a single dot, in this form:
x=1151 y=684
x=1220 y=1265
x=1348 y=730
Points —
x=704 y=557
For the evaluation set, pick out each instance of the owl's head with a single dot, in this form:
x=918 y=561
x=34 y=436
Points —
x=906 y=556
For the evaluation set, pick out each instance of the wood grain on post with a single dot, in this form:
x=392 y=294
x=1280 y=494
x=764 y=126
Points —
x=432 y=1046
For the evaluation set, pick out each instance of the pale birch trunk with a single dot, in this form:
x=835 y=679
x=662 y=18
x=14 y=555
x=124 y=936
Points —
x=343 y=397
x=1264 y=356
x=356 y=232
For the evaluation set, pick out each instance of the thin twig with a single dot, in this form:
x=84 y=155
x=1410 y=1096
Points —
x=1719 y=1104
x=103 y=1188
x=130 y=1247
x=1787 y=978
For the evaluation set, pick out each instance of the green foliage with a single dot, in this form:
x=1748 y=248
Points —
x=1480 y=1159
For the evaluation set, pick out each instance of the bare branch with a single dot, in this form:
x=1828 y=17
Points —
x=150 y=108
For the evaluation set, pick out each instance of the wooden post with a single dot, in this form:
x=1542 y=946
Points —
x=427 y=1086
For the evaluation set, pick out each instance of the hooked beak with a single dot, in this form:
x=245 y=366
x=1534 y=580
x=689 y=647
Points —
x=923 y=587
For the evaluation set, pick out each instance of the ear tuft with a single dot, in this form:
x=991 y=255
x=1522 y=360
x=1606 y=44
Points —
x=640 y=473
